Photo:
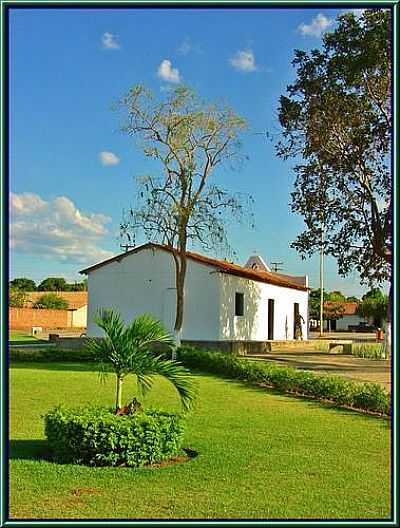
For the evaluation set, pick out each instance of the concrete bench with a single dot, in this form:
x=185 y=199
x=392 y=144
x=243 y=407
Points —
x=346 y=346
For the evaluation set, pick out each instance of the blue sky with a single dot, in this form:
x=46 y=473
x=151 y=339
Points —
x=71 y=169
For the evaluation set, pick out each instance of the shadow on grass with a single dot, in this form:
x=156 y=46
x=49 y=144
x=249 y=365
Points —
x=29 y=450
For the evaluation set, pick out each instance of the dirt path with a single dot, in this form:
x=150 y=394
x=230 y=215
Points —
x=358 y=369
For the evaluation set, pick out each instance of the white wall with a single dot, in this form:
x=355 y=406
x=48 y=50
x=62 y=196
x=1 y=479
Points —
x=253 y=325
x=144 y=282
x=346 y=320
x=79 y=317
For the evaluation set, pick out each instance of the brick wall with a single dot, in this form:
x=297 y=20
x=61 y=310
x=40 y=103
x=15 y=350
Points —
x=25 y=318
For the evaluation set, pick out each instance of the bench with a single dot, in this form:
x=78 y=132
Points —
x=346 y=346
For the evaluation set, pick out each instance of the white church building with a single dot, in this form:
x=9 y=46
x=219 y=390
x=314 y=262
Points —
x=223 y=301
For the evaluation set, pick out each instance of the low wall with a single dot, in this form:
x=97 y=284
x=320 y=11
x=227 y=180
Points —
x=25 y=318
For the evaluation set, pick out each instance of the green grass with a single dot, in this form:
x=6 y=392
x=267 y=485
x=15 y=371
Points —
x=20 y=337
x=261 y=455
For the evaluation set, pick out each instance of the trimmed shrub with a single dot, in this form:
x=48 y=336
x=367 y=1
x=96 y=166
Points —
x=49 y=354
x=342 y=391
x=98 y=437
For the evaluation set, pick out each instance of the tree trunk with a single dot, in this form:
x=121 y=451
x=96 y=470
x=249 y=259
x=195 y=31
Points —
x=118 y=404
x=387 y=346
x=180 y=260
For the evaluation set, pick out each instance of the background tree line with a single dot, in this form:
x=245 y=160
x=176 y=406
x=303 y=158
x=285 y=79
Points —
x=373 y=305
x=20 y=287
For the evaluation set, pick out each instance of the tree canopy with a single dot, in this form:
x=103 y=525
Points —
x=374 y=305
x=336 y=120
x=60 y=284
x=23 y=284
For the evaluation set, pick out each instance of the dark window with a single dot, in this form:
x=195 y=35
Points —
x=239 y=303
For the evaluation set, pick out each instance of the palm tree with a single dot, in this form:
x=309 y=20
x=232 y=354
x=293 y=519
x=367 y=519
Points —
x=127 y=350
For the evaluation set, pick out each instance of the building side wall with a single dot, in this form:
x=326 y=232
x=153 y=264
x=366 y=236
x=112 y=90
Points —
x=79 y=317
x=144 y=282
x=253 y=325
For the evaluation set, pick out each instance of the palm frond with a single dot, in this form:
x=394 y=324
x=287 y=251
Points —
x=145 y=331
x=144 y=383
x=175 y=373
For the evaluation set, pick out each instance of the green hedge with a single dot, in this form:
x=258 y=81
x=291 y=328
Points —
x=97 y=437
x=49 y=354
x=344 y=392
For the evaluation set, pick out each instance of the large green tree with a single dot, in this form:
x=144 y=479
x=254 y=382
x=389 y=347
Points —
x=336 y=121
x=374 y=305
x=23 y=284
x=53 y=284
x=189 y=140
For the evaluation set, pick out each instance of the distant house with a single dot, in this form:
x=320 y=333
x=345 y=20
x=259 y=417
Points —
x=348 y=319
x=223 y=301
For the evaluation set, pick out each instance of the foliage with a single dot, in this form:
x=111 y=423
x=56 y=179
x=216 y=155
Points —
x=337 y=118
x=53 y=284
x=352 y=298
x=128 y=349
x=369 y=350
x=50 y=354
x=23 y=284
x=17 y=298
x=333 y=304
x=374 y=305
x=341 y=391
x=51 y=301
x=97 y=437
x=189 y=139
x=60 y=284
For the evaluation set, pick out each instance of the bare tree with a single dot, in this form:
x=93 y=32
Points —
x=180 y=206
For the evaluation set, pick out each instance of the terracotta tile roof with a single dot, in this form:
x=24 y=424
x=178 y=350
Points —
x=222 y=265
x=350 y=308
x=75 y=299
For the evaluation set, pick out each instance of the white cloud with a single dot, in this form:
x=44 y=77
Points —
x=56 y=229
x=244 y=61
x=109 y=41
x=108 y=158
x=185 y=48
x=167 y=73
x=317 y=26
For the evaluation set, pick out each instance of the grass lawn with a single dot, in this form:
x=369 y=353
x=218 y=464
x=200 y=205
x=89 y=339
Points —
x=261 y=455
x=17 y=337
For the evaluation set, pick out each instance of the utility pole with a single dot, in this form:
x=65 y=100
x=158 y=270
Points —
x=321 y=284
x=277 y=266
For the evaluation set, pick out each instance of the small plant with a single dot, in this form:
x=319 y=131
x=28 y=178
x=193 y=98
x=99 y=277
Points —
x=51 y=301
x=128 y=350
